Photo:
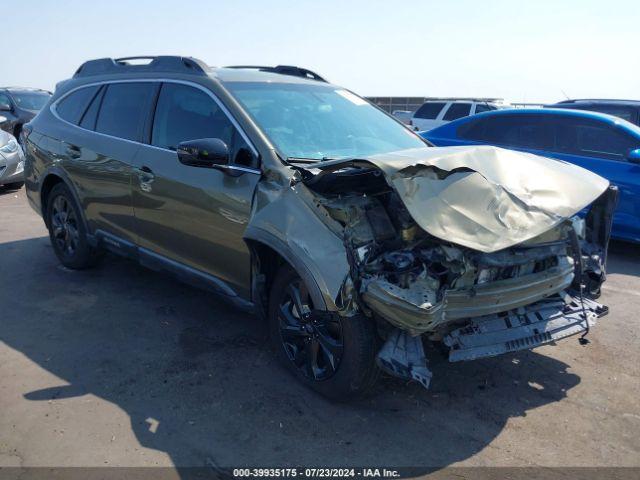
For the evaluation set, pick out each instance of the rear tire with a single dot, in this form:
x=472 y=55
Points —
x=67 y=231
x=333 y=355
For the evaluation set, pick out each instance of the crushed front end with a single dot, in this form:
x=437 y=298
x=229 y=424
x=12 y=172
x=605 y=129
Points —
x=478 y=300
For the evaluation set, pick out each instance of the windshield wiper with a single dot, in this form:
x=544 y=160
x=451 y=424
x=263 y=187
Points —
x=316 y=160
x=303 y=160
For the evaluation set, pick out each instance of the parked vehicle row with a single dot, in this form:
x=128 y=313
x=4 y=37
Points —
x=298 y=200
x=18 y=105
x=606 y=145
x=438 y=111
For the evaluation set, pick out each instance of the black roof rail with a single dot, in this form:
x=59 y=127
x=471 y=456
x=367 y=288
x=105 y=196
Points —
x=161 y=63
x=284 y=70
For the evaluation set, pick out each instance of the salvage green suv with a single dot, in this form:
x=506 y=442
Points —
x=302 y=202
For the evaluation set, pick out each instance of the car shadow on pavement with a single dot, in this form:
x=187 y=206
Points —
x=198 y=381
x=6 y=190
x=624 y=258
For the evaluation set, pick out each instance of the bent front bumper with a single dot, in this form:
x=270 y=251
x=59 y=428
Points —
x=477 y=301
x=524 y=328
x=546 y=321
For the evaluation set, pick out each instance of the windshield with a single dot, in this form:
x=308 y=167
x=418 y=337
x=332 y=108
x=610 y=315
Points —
x=31 y=100
x=321 y=122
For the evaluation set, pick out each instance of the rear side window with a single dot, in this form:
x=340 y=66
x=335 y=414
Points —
x=521 y=131
x=71 y=107
x=429 y=110
x=626 y=113
x=90 y=116
x=186 y=113
x=124 y=109
x=473 y=130
x=457 y=110
x=483 y=107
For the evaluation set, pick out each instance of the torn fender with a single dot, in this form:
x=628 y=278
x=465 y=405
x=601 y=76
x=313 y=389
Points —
x=286 y=219
x=484 y=197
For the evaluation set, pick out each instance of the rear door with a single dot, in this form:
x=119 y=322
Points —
x=98 y=152
x=190 y=215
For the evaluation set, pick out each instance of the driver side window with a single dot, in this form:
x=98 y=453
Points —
x=590 y=138
x=186 y=113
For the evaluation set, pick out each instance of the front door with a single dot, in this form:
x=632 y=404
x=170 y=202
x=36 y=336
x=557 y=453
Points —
x=602 y=149
x=190 y=215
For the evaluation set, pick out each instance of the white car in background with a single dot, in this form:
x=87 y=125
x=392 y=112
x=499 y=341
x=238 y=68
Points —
x=404 y=116
x=436 y=112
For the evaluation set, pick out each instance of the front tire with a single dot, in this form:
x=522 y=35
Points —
x=333 y=355
x=67 y=231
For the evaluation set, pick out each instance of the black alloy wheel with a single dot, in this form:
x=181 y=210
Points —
x=67 y=230
x=313 y=342
x=329 y=353
x=64 y=226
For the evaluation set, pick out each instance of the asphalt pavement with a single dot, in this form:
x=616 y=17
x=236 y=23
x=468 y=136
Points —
x=122 y=366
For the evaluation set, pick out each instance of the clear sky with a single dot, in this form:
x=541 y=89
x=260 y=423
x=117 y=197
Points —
x=520 y=50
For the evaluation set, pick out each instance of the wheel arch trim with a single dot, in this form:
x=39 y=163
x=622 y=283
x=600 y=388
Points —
x=260 y=236
x=58 y=172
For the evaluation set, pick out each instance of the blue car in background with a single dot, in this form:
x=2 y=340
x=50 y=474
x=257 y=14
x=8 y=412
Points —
x=606 y=145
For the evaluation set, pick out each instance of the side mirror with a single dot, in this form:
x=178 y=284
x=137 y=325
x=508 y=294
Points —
x=634 y=156
x=2 y=119
x=204 y=153
x=5 y=107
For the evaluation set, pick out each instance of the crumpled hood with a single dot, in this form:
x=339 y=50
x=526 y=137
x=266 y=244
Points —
x=484 y=197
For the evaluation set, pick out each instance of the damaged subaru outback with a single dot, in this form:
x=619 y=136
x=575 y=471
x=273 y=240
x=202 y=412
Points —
x=355 y=239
